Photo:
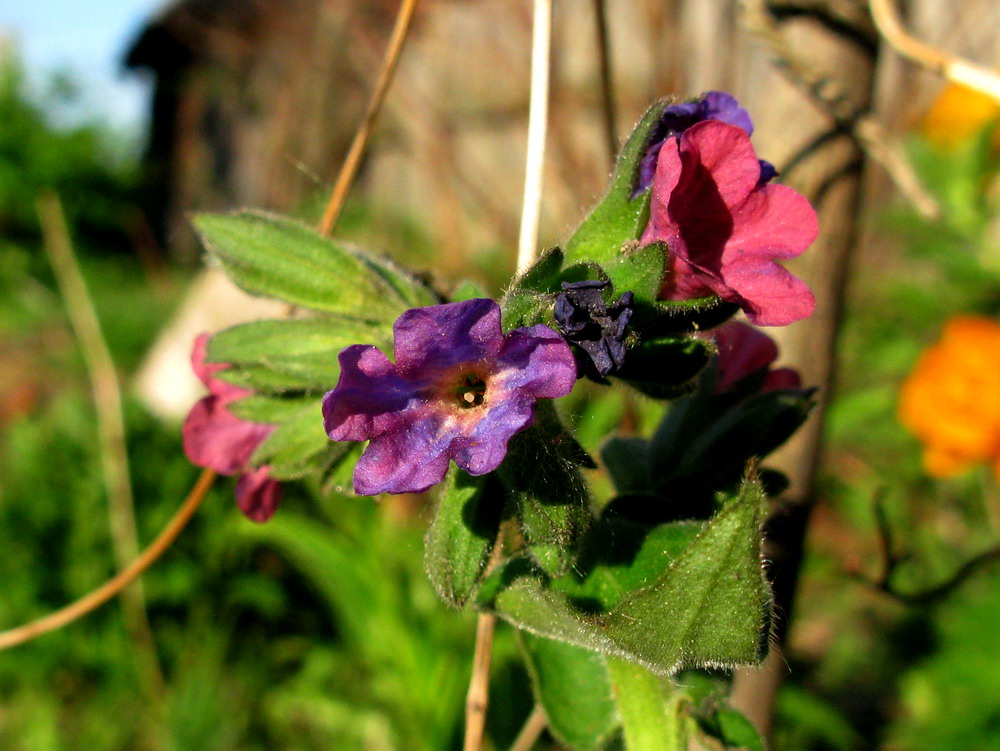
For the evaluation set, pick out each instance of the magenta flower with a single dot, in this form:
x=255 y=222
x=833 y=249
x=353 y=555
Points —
x=459 y=390
x=725 y=230
x=745 y=352
x=217 y=439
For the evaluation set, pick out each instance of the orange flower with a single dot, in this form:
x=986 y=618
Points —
x=951 y=400
x=958 y=114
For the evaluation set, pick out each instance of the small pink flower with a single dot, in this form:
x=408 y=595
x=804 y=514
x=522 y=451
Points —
x=725 y=229
x=744 y=352
x=217 y=439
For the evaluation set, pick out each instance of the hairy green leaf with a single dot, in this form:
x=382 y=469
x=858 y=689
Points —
x=277 y=257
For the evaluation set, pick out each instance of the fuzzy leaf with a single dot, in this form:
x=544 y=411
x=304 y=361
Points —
x=526 y=308
x=704 y=605
x=665 y=368
x=618 y=218
x=550 y=497
x=291 y=447
x=462 y=534
x=270 y=409
x=298 y=354
x=572 y=686
x=713 y=600
x=277 y=257
x=639 y=270
x=543 y=275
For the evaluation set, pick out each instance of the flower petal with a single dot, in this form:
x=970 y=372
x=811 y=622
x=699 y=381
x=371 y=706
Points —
x=370 y=398
x=537 y=360
x=258 y=495
x=406 y=461
x=215 y=438
x=435 y=338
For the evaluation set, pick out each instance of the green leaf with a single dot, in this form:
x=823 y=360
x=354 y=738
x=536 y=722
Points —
x=468 y=290
x=732 y=729
x=283 y=355
x=649 y=723
x=618 y=218
x=639 y=270
x=703 y=604
x=270 y=409
x=543 y=275
x=665 y=368
x=700 y=457
x=572 y=686
x=625 y=459
x=277 y=257
x=526 y=308
x=712 y=607
x=550 y=498
x=410 y=288
x=462 y=534
x=291 y=447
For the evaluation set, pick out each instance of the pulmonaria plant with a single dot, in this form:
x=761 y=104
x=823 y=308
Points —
x=725 y=228
x=458 y=390
x=217 y=439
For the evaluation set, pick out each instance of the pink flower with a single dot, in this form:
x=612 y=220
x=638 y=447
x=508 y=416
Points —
x=725 y=230
x=744 y=352
x=217 y=439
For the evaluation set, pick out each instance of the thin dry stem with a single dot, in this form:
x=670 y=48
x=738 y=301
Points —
x=607 y=85
x=478 y=697
x=952 y=67
x=122 y=579
x=352 y=161
x=874 y=139
x=531 y=730
x=106 y=392
x=538 y=118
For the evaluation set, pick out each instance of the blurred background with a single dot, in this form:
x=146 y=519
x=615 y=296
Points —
x=319 y=630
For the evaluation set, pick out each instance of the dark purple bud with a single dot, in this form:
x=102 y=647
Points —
x=587 y=321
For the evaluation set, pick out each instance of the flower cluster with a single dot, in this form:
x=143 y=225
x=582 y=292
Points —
x=724 y=226
x=217 y=439
x=951 y=400
x=458 y=390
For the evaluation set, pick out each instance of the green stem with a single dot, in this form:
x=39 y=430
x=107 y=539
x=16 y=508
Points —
x=650 y=723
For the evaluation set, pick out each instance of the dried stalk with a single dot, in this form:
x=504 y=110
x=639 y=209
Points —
x=531 y=730
x=538 y=116
x=880 y=145
x=359 y=144
x=952 y=67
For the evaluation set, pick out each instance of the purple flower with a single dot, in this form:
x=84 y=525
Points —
x=459 y=390
x=217 y=439
x=715 y=105
x=594 y=326
x=726 y=232
x=745 y=352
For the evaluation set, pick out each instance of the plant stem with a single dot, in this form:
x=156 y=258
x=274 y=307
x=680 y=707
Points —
x=607 y=85
x=122 y=579
x=649 y=723
x=477 y=700
x=538 y=117
x=531 y=730
x=352 y=161
x=106 y=392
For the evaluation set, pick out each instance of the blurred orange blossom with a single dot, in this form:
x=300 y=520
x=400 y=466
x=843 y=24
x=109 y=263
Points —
x=958 y=114
x=951 y=399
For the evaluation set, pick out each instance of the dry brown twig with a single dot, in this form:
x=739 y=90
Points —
x=876 y=141
x=954 y=68
x=531 y=730
x=349 y=169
